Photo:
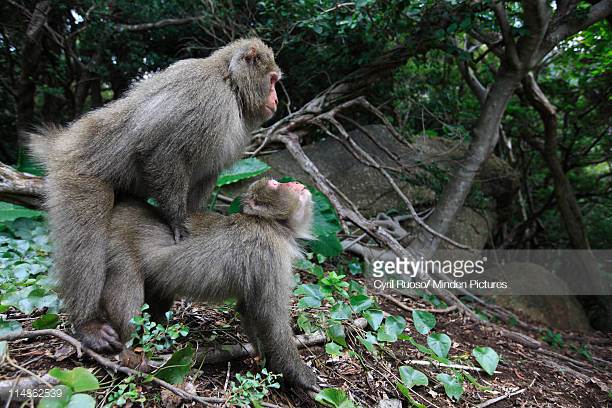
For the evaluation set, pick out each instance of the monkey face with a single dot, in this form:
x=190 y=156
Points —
x=290 y=203
x=254 y=73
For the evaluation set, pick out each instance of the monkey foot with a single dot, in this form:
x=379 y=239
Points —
x=99 y=336
x=305 y=379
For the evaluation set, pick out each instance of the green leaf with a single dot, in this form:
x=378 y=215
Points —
x=62 y=398
x=82 y=401
x=79 y=379
x=359 y=303
x=308 y=302
x=241 y=170
x=395 y=324
x=451 y=386
x=46 y=321
x=406 y=393
x=340 y=311
x=333 y=349
x=177 y=367
x=368 y=341
x=235 y=206
x=423 y=321
x=335 y=398
x=355 y=267
x=440 y=343
x=374 y=318
x=10 y=212
x=327 y=245
x=9 y=327
x=487 y=358
x=311 y=290
x=411 y=377
x=336 y=333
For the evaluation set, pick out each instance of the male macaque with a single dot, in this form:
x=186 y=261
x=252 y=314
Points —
x=246 y=256
x=168 y=138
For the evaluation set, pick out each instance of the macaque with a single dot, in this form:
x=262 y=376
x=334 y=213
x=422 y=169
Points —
x=168 y=138
x=246 y=256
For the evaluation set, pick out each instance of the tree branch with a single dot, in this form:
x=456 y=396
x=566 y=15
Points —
x=158 y=24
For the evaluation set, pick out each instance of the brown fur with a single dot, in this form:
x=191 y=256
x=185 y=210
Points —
x=245 y=256
x=168 y=138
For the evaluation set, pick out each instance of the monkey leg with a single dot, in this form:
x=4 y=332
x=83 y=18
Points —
x=268 y=319
x=79 y=214
x=158 y=303
x=123 y=295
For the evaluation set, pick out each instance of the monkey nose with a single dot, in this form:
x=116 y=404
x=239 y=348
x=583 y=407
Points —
x=273 y=183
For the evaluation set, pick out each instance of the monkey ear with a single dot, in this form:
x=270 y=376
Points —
x=250 y=55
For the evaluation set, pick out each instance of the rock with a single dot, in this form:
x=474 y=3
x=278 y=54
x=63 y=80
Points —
x=426 y=164
x=390 y=403
x=559 y=312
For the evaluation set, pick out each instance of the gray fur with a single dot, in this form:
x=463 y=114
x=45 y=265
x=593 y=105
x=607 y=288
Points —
x=169 y=137
x=242 y=256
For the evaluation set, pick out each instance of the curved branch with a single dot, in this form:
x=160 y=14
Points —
x=20 y=188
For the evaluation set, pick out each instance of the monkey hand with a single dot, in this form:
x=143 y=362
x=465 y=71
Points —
x=99 y=336
x=179 y=231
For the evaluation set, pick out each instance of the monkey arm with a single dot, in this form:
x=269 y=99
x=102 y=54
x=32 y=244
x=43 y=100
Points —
x=168 y=183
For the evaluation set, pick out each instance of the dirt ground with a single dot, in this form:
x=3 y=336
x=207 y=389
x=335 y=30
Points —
x=539 y=378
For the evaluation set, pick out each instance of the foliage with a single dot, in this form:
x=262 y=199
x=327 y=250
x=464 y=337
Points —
x=241 y=170
x=152 y=336
x=127 y=392
x=335 y=398
x=72 y=389
x=177 y=367
x=553 y=338
x=252 y=388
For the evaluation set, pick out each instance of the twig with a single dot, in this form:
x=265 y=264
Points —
x=104 y=362
x=407 y=308
x=437 y=364
x=492 y=401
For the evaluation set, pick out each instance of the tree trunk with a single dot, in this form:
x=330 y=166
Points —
x=31 y=51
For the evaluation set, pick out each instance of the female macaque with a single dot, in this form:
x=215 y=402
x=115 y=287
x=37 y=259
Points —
x=246 y=256
x=168 y=138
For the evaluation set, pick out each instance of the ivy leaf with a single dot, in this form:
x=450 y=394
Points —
x=451 y=386
x=177 y=367
x=46 y=321
x=359 y=303
x=62 y=398
x=243 y=169
x=487 y=358
x=340 y=311
x=335 y=398
x=440 y=343
x=11 y=212
x=333 y=349
x=395 y=324
x=81 y=401
x=336 y=334
x=423 y=321
x=79 y=379
x=374 y=318
x=368 y=341
x=411 y=377
x=9 y=327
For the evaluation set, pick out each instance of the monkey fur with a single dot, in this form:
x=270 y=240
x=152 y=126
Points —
x=246 y=256
x=168 y=138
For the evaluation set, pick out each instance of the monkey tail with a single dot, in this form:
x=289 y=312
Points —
x=40 y=143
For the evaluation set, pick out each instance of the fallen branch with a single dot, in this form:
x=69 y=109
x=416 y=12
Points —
x=106 y=363
x=20 y=188
x=492 y=401
x=437 y=364
x=407 y=308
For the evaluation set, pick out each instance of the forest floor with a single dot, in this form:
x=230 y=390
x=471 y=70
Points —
x=535 y=378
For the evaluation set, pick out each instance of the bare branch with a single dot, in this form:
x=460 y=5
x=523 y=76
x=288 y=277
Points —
x=158 y=24
x=20 y=188
x=576 y=23
x=502 y=19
